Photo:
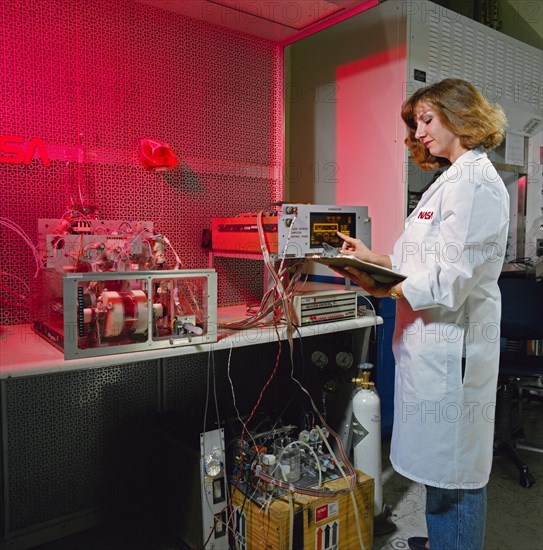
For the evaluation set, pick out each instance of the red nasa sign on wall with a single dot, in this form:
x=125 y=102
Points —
x=13 y=150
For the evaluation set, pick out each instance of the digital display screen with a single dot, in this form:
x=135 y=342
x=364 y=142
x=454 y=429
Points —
x=325 y=225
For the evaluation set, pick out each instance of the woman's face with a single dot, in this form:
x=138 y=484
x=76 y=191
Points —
x=436 y=137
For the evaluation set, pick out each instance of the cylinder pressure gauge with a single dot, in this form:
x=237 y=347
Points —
x=213 y=462
x=344 y=359
x=319 y=359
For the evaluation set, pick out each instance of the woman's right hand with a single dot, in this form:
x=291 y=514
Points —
x=355 y=247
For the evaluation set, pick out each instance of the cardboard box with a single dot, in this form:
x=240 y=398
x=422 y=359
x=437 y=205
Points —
x=323 y=523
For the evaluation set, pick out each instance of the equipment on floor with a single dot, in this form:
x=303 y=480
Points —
x=291 y=490
x=214 y=490
x=366 y=441
x=190 y=482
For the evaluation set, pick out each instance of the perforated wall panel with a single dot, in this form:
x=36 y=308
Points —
x=75 y=440
x=188 y=379
x=91 y=79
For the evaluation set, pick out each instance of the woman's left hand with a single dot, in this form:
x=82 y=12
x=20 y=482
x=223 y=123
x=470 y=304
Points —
x=368 y=283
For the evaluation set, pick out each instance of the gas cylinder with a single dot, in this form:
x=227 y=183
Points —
x=366 y=431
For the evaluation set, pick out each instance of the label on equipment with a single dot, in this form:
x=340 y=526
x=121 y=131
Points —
x=359 y=432
x=419 y=75
x=327 y=536
x=80 y=312
x=326 y=511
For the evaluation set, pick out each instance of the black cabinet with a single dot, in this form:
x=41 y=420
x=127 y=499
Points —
x=382 y=357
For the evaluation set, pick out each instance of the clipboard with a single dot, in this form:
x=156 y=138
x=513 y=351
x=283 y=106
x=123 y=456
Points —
x=380 y=274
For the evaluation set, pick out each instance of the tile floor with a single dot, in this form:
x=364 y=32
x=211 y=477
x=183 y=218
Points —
x=515 y=514
x=514 y=521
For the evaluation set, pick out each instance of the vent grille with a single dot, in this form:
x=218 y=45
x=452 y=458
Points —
x=500 y=66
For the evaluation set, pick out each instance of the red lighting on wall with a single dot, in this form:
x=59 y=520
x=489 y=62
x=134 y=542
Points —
x=369 y=140
x=83 y=112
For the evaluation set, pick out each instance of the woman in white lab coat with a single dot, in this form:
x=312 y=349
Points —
x=446 y=341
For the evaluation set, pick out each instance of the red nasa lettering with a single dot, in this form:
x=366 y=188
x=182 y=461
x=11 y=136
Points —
x=425 y=215
x=12 y=152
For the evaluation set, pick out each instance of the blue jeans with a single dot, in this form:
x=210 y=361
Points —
x=456 y=518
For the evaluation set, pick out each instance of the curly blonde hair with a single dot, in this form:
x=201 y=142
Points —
x=461 y=108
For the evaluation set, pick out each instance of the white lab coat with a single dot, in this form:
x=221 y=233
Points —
x=452 y=251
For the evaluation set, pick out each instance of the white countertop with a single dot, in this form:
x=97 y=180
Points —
x=24 y=353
